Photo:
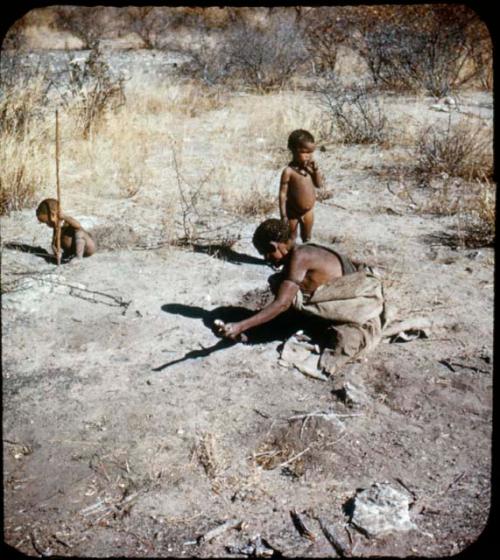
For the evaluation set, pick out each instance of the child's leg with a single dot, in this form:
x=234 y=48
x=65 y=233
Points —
x=84 y=244
x=90 y=247
x=306 y=225
x=293 y=226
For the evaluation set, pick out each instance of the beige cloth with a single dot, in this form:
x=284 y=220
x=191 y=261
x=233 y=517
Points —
x=355 y=305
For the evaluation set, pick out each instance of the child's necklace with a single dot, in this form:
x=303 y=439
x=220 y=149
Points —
x=299 y=170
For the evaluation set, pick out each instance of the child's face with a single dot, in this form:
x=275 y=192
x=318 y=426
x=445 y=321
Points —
x=304 y=153
x=45 y=219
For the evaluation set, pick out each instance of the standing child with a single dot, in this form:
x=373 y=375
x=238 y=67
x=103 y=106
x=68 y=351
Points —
x=298 y=182
x=75 y=241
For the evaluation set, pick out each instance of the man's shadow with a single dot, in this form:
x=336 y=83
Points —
x=226 y=254
x=24 y=248
x=280 y=328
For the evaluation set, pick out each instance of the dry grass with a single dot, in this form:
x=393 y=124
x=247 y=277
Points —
x=303 y=443
x=209 y=455
x=229 y=156
x=189 y=99
x=463 y=149
x=476 y=217
x=252 y=203
x=25 y=163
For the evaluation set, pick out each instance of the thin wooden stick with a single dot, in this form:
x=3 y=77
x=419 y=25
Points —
x=58 y=226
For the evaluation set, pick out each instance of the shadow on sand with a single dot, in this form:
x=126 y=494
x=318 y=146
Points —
x=24 y=248
x=227 y=254
x=279 y=329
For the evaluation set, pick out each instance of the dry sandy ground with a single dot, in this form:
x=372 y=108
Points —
x=130 y=429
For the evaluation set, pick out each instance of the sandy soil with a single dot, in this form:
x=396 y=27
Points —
x=130 y=429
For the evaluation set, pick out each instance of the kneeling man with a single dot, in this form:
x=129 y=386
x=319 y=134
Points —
x=319 y=281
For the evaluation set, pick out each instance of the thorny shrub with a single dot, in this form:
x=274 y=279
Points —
x=473 y=207
x=431 y=49
x=88 y=23
x=92 y=91
x=459 y=150
x=260 y=59
x=354 y=114
x=324 y=32
x=476 y=218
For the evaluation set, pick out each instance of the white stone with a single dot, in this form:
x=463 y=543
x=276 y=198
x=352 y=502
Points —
x=381 y=509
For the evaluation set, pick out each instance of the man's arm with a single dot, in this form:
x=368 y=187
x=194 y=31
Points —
x=295 y=273
x=283 y=195
x=282 y=302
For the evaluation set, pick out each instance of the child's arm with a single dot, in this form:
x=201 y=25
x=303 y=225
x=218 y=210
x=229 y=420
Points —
x=316 y=175
x=285 y=177
x=54 y=246
x=75 y=224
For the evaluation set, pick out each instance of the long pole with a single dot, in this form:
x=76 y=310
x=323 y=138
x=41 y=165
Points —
x=58 y=226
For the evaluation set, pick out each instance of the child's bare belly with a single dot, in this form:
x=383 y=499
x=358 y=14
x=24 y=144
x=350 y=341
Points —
x=301 y=199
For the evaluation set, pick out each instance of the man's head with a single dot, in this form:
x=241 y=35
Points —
x=301 y=144
x=268 y=235
x=47 y=212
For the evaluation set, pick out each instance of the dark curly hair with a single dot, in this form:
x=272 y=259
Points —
x=46 y=207
x=299 y=137
x=270 y=230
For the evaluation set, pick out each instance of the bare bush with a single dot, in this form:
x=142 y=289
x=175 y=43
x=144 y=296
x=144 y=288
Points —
x=150 y=23
x=325 y=30
x=267 y=59
x=477 y=217
x=259 y=58
x=355 y=115
x=85 y=22
x=428 y=49
x=459 y=150
x=92 y=91
x=473 y=206
x=211 y=64
x=15 y=38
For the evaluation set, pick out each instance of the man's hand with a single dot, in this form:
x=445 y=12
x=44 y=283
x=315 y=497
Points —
x=229 y=330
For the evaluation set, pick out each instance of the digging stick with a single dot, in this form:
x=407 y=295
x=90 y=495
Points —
x=58 y=223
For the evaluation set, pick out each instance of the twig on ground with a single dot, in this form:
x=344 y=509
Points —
x=473 y=368
x=300 y=526
x=325 y=414
x=231 y=524
x=411 y=492
x=348 y=534
x=332 y=538
x=38 y=548
x=454 y=481
x=292 y=459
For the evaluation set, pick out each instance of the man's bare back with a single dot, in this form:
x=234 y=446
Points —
x=310 y=266
x=306 y=267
